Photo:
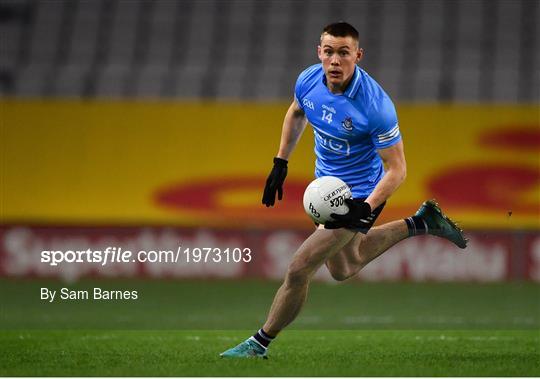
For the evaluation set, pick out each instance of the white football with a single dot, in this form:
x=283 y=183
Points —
x=324 y=196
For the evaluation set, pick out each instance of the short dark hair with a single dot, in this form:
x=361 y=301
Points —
x=340 y=29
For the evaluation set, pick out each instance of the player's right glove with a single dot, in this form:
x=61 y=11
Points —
x=359 y=216
x=274 y=183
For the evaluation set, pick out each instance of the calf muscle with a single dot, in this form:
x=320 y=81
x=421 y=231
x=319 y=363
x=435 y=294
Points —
x=292 y=294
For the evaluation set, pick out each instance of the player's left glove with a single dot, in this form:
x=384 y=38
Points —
x=358 y=216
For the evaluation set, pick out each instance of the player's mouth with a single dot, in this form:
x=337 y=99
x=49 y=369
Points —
x=334 y=73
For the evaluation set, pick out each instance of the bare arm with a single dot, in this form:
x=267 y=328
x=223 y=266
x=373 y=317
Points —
x=293 y=126
x=395 y=173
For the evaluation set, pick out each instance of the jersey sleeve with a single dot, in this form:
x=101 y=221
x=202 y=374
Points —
x=297 y=95
x=302 y=82
x=298 y=89
x=385 y=128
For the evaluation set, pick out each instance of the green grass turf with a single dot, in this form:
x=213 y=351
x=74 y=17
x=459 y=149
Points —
x=178 y=328
x=295 y=353
x=244 y=304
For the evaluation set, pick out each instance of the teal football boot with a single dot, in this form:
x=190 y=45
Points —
x=247 y=349
x=440 y=225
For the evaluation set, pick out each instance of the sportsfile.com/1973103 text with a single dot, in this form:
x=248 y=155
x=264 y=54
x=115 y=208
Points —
x=118 y=255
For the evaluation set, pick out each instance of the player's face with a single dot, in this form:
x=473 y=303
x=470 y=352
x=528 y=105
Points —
x=339 y=56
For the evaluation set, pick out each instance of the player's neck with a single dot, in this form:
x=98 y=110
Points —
x=338 y=89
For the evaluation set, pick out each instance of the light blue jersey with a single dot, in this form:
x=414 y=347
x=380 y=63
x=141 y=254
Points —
x=349 y=127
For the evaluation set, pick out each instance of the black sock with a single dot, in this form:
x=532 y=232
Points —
x=262 y=338
x=416 y=225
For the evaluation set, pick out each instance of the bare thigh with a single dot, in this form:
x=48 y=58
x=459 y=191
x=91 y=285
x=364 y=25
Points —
x=321 y=246
x=364 y=248
x=345 y=261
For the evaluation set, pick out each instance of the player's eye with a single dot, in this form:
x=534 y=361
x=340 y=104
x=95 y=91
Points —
x=343 y=53
x=328 y=52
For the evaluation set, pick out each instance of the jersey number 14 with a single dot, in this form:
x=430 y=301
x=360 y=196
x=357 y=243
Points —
x=326 y=116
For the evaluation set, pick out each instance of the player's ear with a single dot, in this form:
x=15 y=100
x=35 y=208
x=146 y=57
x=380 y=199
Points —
x=319 y=52
x=359 y=54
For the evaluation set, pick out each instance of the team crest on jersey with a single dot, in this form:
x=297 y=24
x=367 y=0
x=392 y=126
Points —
x=347 y=124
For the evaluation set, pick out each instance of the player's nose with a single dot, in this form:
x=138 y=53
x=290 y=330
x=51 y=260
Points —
x=334 y=60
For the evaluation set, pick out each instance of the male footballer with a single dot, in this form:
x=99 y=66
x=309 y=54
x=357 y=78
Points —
x=357 y=139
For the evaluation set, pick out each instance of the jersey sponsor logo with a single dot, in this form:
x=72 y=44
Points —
x=308 y=103
x=385 y=137
x=347 y=124
x=329 y=142
x=329 y=109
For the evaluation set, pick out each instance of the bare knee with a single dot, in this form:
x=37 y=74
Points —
x=297 y=275
x=344 y=265
x=338 y=268
x=340 y=275
x=312 y=254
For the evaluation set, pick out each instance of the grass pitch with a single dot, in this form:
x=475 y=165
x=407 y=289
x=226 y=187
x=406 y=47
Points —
x=356 y=329
x=295 y=353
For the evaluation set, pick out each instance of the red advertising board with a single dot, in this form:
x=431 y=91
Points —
x=165 y=252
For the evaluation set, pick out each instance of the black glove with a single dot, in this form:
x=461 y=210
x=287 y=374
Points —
x=358 y=216
x=275 y=182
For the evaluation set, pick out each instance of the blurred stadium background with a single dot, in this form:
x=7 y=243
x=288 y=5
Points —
x=152 y=124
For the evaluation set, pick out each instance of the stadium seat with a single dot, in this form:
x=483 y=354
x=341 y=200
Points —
x=420 y=50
